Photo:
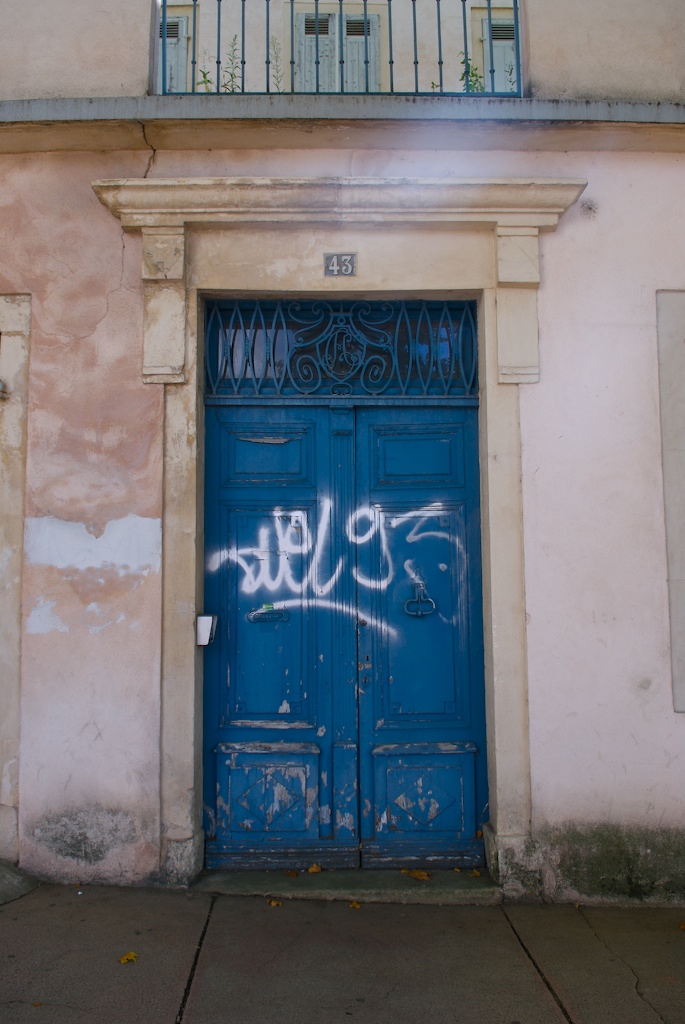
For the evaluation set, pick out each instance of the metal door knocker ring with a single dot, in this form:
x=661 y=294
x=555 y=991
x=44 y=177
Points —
x=420 y=604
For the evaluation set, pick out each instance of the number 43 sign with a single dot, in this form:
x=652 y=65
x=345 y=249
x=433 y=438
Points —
x=340 y=264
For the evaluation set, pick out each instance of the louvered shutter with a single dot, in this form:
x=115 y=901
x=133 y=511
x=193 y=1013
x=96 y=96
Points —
x=176 y=55
x=307 y=35
x=362 y=44
x=503 y=55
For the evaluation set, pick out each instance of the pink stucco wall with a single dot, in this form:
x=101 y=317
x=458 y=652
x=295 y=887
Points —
x=89 y=756
x=605 y=743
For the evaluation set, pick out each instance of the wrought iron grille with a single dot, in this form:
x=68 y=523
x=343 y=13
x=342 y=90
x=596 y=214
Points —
x=274 y=349
x=417 y=47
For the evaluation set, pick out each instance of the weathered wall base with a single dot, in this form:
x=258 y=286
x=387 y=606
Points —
x=599 y=863
x=182 y=860
x=93 y=843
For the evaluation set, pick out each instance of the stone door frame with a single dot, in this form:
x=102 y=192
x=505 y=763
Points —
x=194 y=234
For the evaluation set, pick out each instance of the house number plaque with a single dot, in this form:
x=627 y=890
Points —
x=340 y=264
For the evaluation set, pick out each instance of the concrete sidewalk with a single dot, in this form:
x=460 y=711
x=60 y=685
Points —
x=208 y=958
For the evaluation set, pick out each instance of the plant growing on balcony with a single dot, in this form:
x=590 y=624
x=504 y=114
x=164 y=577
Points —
x=471 y=74
x=205 y=80
x=230 y=71
x=275 y=64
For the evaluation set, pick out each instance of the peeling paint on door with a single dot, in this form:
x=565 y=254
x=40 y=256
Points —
x=351 y=624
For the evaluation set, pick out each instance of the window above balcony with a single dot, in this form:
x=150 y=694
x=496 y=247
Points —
x=343 y=47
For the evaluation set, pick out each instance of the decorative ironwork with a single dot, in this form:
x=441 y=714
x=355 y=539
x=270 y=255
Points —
x=400 y=47
x=389 y=349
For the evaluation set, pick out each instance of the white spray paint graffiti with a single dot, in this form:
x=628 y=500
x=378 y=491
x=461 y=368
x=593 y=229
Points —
x=270 y=567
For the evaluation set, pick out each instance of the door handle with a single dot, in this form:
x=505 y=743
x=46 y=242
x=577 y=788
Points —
x=268 y=615
x=420 y=604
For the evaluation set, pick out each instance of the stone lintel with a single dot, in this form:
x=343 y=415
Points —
x=517 y=209
x=514 y=202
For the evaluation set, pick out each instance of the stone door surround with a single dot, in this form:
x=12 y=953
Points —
x=459 y=238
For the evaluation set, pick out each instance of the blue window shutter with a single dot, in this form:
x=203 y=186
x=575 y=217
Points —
x=176 y=55
x=357 y=47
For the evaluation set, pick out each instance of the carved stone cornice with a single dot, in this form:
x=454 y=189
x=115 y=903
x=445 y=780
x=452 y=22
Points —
x=514 y=202
x=514 y=209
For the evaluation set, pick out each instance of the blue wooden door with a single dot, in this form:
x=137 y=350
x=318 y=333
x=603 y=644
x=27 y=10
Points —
x=344 y=711
x=421 y=727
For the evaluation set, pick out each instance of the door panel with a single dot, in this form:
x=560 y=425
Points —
x=268 y=648
x=271 y=788
x=272 y=563
x=344 y=708
x=421 y=720
x=422 y=613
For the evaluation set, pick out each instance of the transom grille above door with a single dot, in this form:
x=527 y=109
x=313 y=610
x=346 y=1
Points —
x=276 y=349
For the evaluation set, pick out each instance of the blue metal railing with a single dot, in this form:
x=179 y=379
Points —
x=403 y=47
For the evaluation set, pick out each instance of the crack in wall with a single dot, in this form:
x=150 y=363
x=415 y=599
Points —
x=638 y=987
x=153 y=154
x=538 y=969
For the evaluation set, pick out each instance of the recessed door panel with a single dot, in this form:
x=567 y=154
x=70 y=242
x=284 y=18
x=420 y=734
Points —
x=267 y=791
x=424 y=617
x=418 y=459
x=424 y=793
x=255 y=455
x=268 y=646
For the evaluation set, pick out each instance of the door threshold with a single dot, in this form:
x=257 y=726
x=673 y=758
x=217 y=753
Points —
x=441 y=888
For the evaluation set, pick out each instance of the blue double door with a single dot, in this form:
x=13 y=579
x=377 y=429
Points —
x=344 y=710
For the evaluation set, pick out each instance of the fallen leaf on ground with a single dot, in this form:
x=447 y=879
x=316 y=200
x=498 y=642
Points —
x=275 y=903
x=475 y=873
x=291 y=874
x=355 y=905
x=458 y=870
x=314 y=869
x=682 y=927
x=128 y=958
x=420 y=876
x=36 y=1004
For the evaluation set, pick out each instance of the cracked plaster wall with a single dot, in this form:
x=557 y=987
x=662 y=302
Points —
x=89 y=761
x=605 y=742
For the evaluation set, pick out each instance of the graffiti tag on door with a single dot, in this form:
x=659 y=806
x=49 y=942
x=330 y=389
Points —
x=290 y=559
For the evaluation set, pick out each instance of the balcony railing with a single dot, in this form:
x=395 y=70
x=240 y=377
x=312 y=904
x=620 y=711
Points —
x=403 y=47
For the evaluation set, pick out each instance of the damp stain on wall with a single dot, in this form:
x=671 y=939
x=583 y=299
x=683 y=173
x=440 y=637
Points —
x=86 y=834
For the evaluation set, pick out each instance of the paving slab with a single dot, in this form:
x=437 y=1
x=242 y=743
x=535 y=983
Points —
x=324 y=962
x=593 y=983
x=651 y=942
x=441 y=887
x=59 y=955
